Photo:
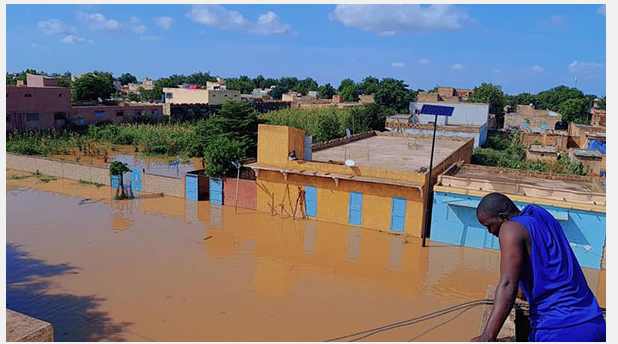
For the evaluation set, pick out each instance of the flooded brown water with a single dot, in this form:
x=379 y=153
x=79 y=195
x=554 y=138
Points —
x=166 y=269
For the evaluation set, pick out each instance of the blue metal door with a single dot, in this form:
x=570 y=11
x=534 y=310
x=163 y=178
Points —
x=136 y=179
x=191 y=187
x=398 y=214
x=216 y=191
x=356 y=208
x=311 y=201
x=114 y=181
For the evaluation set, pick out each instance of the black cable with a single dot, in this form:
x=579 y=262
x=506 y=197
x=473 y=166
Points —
x=414 y=320
x=441 y=324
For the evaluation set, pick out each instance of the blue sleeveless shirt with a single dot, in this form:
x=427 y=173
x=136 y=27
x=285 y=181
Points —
x=552 y=279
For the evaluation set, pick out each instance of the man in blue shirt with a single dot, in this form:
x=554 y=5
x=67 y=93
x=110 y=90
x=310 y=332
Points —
x=536 y=254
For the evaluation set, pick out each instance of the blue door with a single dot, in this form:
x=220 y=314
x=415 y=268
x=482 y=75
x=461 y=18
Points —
x=311 y=201
x=216 y=191
x=136 y=179
x=398 y=214
x=356 y=208
x=191 y=187
x=114 y=181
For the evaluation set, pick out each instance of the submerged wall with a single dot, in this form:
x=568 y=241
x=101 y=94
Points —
x=454 y=222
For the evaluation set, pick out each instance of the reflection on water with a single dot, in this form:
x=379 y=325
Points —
x=158 y=166
x=163 y=268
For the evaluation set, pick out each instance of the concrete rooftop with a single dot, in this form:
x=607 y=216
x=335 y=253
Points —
x=394 y=153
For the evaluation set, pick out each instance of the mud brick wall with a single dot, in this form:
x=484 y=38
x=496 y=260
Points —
x=247 y=193
x=340 y=141
x=58 y=168
x=169 y=186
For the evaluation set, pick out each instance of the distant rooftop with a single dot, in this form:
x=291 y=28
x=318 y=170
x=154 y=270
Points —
x=590 y=153
x=394 y=152
x=542 y=149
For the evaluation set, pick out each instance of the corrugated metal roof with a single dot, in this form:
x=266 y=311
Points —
x=588 y=152
x=542 y=149
x=437 y=110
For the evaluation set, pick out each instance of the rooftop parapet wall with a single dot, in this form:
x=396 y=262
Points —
x=551 y=187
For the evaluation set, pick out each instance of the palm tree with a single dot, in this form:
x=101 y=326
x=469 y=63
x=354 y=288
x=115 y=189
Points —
x=118 y=168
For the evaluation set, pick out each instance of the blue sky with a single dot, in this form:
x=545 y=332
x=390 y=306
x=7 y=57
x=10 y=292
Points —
x=524 y=48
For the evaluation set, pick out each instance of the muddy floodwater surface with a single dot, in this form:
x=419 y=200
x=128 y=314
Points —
x=166 y=269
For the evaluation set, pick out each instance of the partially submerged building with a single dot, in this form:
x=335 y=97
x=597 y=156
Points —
x=592 y=160
x=382 y=186
x=577 y=202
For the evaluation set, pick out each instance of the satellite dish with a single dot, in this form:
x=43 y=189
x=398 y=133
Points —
x=100 y=100
x=347 y=132
x=350 y=163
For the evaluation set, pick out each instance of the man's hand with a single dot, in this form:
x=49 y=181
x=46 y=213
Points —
x=482 y=338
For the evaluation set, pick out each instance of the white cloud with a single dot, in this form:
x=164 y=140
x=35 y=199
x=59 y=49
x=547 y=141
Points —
x=555 y=21
x=72 y=39
x=164 y=22
x=33 y=45
x=587 y=68
x=497 y=70
x=458 y=66
x=99 y=23
x=55 y=27
x=139 y=29
x=398 y=65
x=537 y=69
x=391 y=19
x=601 y=10
x=219 y=17
x=150 y=38
x=135 y=20
x=270 y=24
x=424 y=61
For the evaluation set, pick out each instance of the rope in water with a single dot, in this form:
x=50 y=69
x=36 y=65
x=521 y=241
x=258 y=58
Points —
x=371 y=332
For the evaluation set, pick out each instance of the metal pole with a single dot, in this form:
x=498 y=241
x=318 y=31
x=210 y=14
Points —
x=428 y=200
x=236 y=198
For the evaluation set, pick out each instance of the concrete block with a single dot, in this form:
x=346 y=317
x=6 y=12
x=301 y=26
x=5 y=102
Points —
x=23 y=328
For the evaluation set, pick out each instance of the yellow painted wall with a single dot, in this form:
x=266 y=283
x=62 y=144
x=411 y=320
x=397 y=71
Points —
x=276 y=142
x=333 y=201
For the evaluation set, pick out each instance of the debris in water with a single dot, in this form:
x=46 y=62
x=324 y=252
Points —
x=208 y=237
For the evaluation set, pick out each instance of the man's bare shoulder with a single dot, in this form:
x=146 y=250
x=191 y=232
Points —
x=513 y=232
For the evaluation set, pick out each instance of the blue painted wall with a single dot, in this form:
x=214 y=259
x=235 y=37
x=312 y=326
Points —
x=454 y=222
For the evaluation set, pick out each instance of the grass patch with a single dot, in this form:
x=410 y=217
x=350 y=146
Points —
x=85 y=182
x=43 y=178
x=17 y=177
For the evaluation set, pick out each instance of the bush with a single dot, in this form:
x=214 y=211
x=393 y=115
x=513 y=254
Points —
x=219 y=155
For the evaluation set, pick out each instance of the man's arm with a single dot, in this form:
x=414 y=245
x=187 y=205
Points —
x=512 y=247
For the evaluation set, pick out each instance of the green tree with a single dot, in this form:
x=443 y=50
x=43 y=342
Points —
x=369 y=85
x=199 y=78
x=493 y=95
x=349 y=93
x=346 y=82
x=277 y=92
x=127 y=78
x=243 y=84
x=552 y=98
x=93 y=85
x=574 y=110
x=326 y=91
x=10 y=79
x=117 y=168
x=239 y=122
x=305 y=85
x=287 y=83
x=133 y=97
x=393 y=94
x=219 y=155
x=368 y=117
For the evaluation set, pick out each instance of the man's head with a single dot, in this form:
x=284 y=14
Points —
x=495 y=209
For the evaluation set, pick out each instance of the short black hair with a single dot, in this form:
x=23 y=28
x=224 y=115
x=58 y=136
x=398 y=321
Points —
x=495 y=203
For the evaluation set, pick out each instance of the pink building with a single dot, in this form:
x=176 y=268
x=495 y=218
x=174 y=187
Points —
x=42 y=105
x=37 y=107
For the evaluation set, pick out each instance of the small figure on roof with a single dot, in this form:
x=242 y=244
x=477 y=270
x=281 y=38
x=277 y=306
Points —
x=292 y=155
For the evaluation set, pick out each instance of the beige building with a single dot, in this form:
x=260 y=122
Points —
x=528 y=117
x=590 y=158
x=542 y=153
x=199 y=96
x=216 y=85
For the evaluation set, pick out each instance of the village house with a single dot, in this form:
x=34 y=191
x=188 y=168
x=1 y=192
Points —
x=528 y=117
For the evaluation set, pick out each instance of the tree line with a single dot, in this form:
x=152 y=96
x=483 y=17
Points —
x=391 y=93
